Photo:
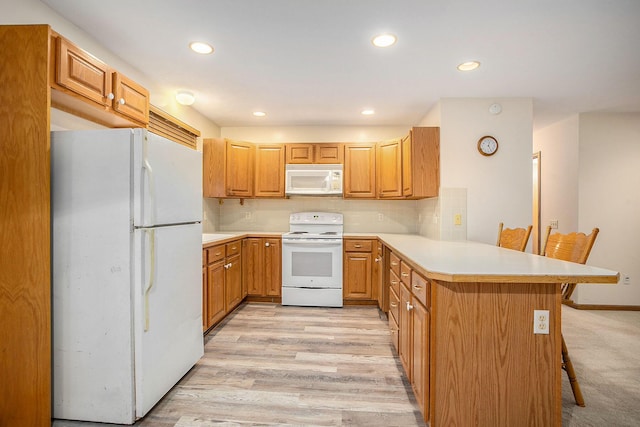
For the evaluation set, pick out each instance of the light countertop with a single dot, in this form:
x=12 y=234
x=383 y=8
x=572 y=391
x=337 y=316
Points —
x=463 y=261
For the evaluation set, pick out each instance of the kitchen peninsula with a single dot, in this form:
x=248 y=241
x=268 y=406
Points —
x=463 y=324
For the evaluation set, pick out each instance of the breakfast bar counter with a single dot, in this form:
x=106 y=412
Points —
x=469 y=348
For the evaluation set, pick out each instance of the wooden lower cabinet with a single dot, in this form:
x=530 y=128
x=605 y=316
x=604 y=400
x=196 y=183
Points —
x=358 y=269
x=420 y=355
x=262 y=273
x=409 y=313
x=221 y=282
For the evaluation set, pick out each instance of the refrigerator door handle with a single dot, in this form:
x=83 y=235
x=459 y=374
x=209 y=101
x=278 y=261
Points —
x=151 y=184
x=152 y=271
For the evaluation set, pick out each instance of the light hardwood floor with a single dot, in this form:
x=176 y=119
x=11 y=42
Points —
x=268 y=364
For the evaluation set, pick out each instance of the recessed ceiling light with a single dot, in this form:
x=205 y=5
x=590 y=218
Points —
x=259 y=113
x=384 y=40
x=185 y=97
x=201 y=47
x=367 y=112
x=468 y=66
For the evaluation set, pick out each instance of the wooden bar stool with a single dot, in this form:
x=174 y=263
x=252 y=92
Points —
x=573 y=247
x=513 y=238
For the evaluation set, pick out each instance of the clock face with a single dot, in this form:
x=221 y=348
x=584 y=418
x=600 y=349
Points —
x=487 y=145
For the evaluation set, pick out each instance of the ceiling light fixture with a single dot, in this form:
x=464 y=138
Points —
x=201 y=47
x=368 y=112
x=185 y=97
x=259 y=113
x=384 y=40
x=468 y=66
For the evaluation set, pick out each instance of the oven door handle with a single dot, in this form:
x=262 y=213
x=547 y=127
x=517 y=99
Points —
x=313 y=243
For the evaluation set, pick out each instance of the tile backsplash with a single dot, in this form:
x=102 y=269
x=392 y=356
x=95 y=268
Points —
x=432 y=218
x=387 y=216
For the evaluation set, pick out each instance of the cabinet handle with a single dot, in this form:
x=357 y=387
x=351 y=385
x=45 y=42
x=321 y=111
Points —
x=377 y=259
x=357 y=246
x=403 y=274
x=394 y=263
x=233 y=248
x=393 y=304
x=416 y=287
x=121 y=101
x=394 y=282
x=267 y=244
x=110 y=96
x=409 y=306
x=218 y=253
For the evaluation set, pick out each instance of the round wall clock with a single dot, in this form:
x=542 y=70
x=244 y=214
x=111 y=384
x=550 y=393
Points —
x=487 y=145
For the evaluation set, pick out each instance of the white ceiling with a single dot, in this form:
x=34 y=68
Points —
x=311 y=62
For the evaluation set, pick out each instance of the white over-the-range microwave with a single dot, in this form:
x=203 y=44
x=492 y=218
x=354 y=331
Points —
x=314 y=180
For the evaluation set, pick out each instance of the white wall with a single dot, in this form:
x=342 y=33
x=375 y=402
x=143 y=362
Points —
x=609 y=198
x=558 y=146
x=496 y=188
x=314 y=133
x=590 y=177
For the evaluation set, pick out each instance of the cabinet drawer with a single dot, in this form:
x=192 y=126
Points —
x=215 y=253
x=358 y=245
x=405 y=273
x=233 y=248
x=394 y=282
x=394 y=305
x=420 y=288
x=394 y=264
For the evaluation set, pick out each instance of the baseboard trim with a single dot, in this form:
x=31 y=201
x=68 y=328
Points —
x=601 y=306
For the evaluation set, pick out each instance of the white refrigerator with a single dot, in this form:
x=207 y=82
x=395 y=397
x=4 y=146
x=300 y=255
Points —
x=127 y=284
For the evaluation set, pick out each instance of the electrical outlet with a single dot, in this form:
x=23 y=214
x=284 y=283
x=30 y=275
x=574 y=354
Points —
x=247 y=215
x=204 y=215
x=380 y=217
x=553 y=223
x=626 y=280
x=457 y=219
x=541 y=322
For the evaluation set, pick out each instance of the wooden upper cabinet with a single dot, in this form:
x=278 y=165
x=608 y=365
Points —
x=227 y=169
x=329 y=153
x=131 y=99
x=239 y=168
x=421 y=163
x=322 y=153
x=82 y=73
x=360 y=171
x=88 y=87
x=389 y=169
x=269 y=170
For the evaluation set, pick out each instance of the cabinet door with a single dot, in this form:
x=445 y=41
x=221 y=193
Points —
x=389 y=169
x=272 y=267
x=82 y=73
x=421 y=162
x=329 y=154
x=131 y=99
x=233 y=282
x=359 y=171
x=420 y=356
x=357 y=275
x=269 y=170
x=404 y=327
x=239 y=168
x=253 y=256
x=216 y=308
x=299 y=153
x=407 y=165
x=205 y=298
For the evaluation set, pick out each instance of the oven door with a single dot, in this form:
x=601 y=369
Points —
x=312 y=263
